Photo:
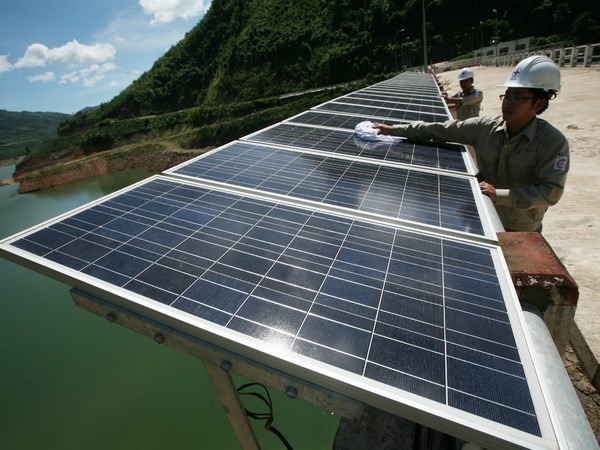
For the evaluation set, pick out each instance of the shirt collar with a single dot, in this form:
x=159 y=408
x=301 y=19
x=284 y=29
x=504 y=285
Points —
x=528 y=131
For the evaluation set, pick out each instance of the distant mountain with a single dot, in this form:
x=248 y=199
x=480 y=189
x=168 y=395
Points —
x=20 y=131
x=87 y=108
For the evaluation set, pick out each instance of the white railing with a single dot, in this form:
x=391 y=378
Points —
x=577 y=56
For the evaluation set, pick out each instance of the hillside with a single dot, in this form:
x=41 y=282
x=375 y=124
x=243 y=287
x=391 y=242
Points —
x=21 y=131
x=247 y=49
x=224 y=79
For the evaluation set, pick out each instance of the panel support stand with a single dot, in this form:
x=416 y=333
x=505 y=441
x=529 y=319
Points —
x=220 y=364
x=230 y=400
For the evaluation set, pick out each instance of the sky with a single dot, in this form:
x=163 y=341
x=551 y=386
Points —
x=65 y=55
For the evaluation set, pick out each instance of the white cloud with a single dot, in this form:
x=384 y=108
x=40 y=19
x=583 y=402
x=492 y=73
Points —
x=89 y=76
x=131 y=33
x=38 y=55
x=44 y=78
x=5 y=66
x=165 y=11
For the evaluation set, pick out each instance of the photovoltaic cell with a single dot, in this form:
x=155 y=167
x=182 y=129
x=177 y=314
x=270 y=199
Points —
x=396 y=105
x=373 y=111
x=417 y=313
x=407 y=99
x=343 y=121
x=446 y=157
x=430 y=199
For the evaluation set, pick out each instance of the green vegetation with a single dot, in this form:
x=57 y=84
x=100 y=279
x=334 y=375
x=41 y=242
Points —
x=224 y=79
x=20 y=131
x=243 y=50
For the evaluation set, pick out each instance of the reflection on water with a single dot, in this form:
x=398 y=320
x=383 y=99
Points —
x=70 y=380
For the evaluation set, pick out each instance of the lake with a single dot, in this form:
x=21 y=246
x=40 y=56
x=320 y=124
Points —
x=70 y=380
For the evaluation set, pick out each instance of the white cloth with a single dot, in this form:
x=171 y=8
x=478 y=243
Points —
x=365 y=131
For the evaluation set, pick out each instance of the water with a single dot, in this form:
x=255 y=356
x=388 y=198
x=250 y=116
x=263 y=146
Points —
x=70 y=380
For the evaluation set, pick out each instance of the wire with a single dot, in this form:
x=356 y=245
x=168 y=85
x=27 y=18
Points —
x=268 y=416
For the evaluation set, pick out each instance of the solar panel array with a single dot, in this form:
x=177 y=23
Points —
x=396 y=192
x=373 y=268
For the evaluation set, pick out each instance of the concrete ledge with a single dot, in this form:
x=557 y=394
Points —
x=586 y=357
x=542 y=280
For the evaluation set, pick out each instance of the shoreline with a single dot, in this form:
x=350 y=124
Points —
x=61 y=174
x=11 y=161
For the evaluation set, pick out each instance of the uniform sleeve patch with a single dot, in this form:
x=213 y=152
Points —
x=560 y=163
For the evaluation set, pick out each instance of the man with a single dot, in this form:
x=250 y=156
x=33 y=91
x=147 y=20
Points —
x=466 y=103
x=523 y=160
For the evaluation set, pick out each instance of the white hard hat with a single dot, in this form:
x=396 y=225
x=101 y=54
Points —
x=465 y=74
x=535 y=72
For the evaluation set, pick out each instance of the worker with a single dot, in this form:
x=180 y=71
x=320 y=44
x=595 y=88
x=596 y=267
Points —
x=467 y=102
x=522 y=159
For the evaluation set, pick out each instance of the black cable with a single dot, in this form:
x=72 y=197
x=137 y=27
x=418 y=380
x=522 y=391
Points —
x=268 y=416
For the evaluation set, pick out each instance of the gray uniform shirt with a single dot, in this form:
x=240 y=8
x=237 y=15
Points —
x=528 y=170
x=470 y=103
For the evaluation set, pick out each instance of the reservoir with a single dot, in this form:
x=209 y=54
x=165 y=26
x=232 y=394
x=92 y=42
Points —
x=70 y=380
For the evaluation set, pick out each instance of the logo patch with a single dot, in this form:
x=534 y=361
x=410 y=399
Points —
x=515 y=74
x=560 y=163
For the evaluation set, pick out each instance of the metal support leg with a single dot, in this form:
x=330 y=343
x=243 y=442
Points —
x=228 y=395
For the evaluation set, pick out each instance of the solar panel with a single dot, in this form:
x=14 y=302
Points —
x=333 y=120
x=368 y=269
x=398 y=106
x=393 y=100
x=425 y=198
x=437 y=156
x=395 y=103
x=384 y=113
x=416 y=91
x=380 y=312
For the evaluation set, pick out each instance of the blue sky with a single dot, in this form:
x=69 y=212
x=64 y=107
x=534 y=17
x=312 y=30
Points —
x=64 y=55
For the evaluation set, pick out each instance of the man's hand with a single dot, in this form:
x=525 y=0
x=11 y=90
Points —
x=489 y=190
x=384 y=129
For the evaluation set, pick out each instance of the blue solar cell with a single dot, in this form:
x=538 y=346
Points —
x=123 y=263
x=107 y=275
x=51 y=238
x=31 y=247
x=407 y=382
x=424 y=363
x=151 y=291
x=497 y=412
x=207 y=312
x=261 y=332
x=490 y=361
x=327 y=355
x=272 y=315
x=67 y=260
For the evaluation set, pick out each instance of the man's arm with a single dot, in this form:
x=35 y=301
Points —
x=465 y=132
